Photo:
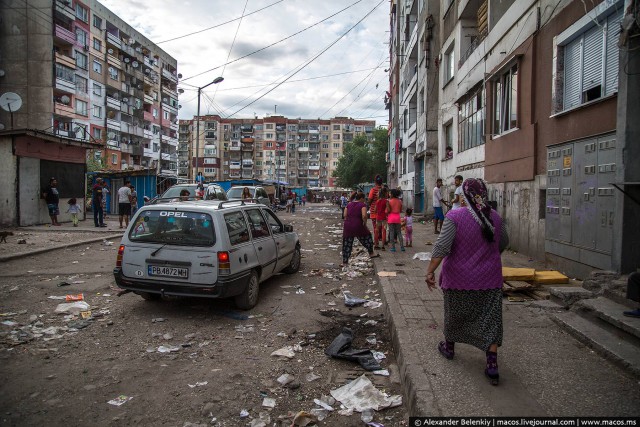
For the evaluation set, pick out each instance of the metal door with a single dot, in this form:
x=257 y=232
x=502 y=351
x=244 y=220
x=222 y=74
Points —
x=604 y=192
x=585 y=221
x=419 y=190
x=553 y=193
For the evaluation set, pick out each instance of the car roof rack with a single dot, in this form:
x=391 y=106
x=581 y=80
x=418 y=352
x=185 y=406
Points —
x=238 y=202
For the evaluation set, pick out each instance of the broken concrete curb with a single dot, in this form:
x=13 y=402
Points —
x=10 y=257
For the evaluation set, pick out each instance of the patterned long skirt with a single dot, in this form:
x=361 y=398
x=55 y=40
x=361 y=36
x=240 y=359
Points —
x=473 y=317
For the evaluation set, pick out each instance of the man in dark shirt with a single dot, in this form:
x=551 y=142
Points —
x=52 y=197
x=96 y=203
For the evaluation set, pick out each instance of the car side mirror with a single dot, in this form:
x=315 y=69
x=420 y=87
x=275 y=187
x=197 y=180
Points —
x=288 y=228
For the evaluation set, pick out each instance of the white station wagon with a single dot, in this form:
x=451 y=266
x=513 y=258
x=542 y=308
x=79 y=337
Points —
x=206 y=248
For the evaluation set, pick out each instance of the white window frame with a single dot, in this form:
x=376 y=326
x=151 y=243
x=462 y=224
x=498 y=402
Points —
x=114 y=159
x=82 y=61
x=97 y=111
x=97 y=66
x=99 y=88
x=449 y=64
x=82 y=13
x=79 y=107
x=505 y=100
x=597 y=30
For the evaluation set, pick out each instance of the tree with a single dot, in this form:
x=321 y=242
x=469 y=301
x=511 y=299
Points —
x=362 y=159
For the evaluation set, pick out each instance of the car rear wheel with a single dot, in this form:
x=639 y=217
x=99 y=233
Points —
x=249 y=297
x=294 y=265
x=149 y=296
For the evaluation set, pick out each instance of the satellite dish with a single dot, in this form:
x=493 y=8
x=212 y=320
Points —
x=127 y=60
x=146 y=70
x=125 y=99
x=135 y=64
x=180 y=90
x=110 y=51
x=179 y=75
x=111 y=135
x=65 y=99
x=138 y=49
x=131 y=41
x=10 y=101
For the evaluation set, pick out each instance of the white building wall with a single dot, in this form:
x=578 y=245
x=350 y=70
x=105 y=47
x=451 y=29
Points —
x=8 y=173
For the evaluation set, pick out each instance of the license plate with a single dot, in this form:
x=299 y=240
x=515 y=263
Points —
x=162 y=271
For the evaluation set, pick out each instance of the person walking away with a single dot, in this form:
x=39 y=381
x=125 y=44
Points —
x=97 y=200
x=394 y=209
x=438 y=202
x=408 y=226
x=134 y=200
x=343 y=203
x=374 y=195
x=457 y=195
x=469 y=248
x=124 y=203
x=380 y=232
x=355 y=226
x=52 y=197
x=74 y=209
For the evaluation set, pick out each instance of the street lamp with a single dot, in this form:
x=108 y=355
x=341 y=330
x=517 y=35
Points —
x=215 y=81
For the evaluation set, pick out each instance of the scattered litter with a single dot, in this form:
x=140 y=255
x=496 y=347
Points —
x=304 y=418
x=170 y=349
x=312 y=377
x=158 y=319
x=387 y=273
x=378 y=355
x=370 y=323
x=515 y=299
x=324 y=405
x=15 y=288
x=346 y=412
x=74 y=262
x=423 y=256
x=9 y=323
x=284 y=352
x=78 y=297
x=351 y=301
x=72 y=307
x=244 y=413
x=367 y=415
x=57 y=297
x=383 y=372
x=86 y=314
x=281 y=335
x=107 y=243
x=198 y=384
x=331 y=303
x=120 y=400
x=360 y=394
x=320 y=414
x=341 y=348
x=64 y=284
x=373 y=304
x=300 y=291
x=372 y=340
x=269 y=402
x=285 y=379
x=77 y=282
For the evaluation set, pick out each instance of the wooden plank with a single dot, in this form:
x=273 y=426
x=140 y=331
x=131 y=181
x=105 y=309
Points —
x=550 y=277
x=524 y=274
x=537 y=294
x=519 y=284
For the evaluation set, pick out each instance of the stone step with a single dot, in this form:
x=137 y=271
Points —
x=569 y=295
x=619 y=351
x=620 y=296
x=611 y=312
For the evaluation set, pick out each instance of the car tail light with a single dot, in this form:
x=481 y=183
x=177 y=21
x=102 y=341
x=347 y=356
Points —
x=119 y=258
x=224 y=266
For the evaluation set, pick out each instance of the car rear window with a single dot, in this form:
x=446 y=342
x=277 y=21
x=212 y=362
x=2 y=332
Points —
x=235 y=193
x=174 y=227
x=176 y=189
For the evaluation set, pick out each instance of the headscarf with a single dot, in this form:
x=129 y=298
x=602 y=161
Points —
x=475 y=194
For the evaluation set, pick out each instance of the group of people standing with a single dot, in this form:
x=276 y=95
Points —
x=471 y=238
x=127 y=202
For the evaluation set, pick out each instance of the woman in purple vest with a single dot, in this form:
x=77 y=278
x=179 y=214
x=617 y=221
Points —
x=469 y=248
x=355 y=226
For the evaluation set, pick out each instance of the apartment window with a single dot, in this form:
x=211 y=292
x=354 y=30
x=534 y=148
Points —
x=334 y=164
x=336 y=136
x=448 y=140
x=97 y=66
x=505 y=101
x=471 y=120
x=326 y=155
x=421 y=102
x=81 y=37
x=154 y=113
x=325 y=137
x=81 y=107
x=156 y=147
x=209 y=170
x=358 y=128
x=97 y=111
x=97 y=89
x=113 y=73
x=324 y=128
x=268 y=135
x=65 y=73
x=292 y=128
x=81 y=60
x=209 y=161
x=165 y=115
x=325 y=146
x=269 y=126
x=336 y=127
x=336 y=146
x=256 y=127
x=82 y=13
x=269 y=144
x=114 y=159
x=82 y=84
x=449 y=64
x=97 y=44
x=97 y=21
x=336 y=155
x=97 y=134
x=588 y=57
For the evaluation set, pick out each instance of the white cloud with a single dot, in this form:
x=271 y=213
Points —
x=364 y=48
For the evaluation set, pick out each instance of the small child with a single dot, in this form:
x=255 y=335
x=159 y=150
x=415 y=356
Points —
x=407 y=226
x=74 y=210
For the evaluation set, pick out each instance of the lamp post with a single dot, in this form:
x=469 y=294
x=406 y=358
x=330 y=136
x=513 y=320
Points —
x=215 y=81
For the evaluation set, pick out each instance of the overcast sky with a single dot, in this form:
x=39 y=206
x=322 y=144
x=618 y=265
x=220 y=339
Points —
x=346 y=80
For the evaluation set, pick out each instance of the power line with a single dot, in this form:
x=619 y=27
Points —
x=363 y=88
x=314 y=58
x=275 y=43
x=220 y=25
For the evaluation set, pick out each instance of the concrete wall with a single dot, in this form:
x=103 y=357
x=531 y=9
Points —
x=8 y=202
x=33 y=209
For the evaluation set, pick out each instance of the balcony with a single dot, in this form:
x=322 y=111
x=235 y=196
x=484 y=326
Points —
x=113 y=39
x=169 y=75
x=170 y=140
x=235 y=174
x=169 y=108
x=210 y=136
x=65 y=9
x=63 y=110
x=148 y=99
x=65 y=60
x=113 y=124
x=174 y=127
x=168 y=91
x=148 y=116
x=246 y=128
x=113 y=103
x=234 y=147
x=246 y=147
x=247 y=163
x=64 y=35
x=65 y=85
x=474 y=43
x=302 y=174
x=147 y=134
x=112 y=60
x=314 y=167
x=234 y=165
x=148 y=152
x=247 y=139
x=303 y=149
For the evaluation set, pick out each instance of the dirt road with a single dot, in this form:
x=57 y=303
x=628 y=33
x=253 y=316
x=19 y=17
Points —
x=186 y=362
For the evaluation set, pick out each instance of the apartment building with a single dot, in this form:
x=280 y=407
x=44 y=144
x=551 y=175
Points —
x=86 y=79
x=527 y=99
x=301 y=152
x=412 y=100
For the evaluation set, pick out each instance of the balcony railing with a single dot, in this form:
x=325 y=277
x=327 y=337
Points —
x=65 y=85
x=113 y=39
x=475 y=42
x=65 y=60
